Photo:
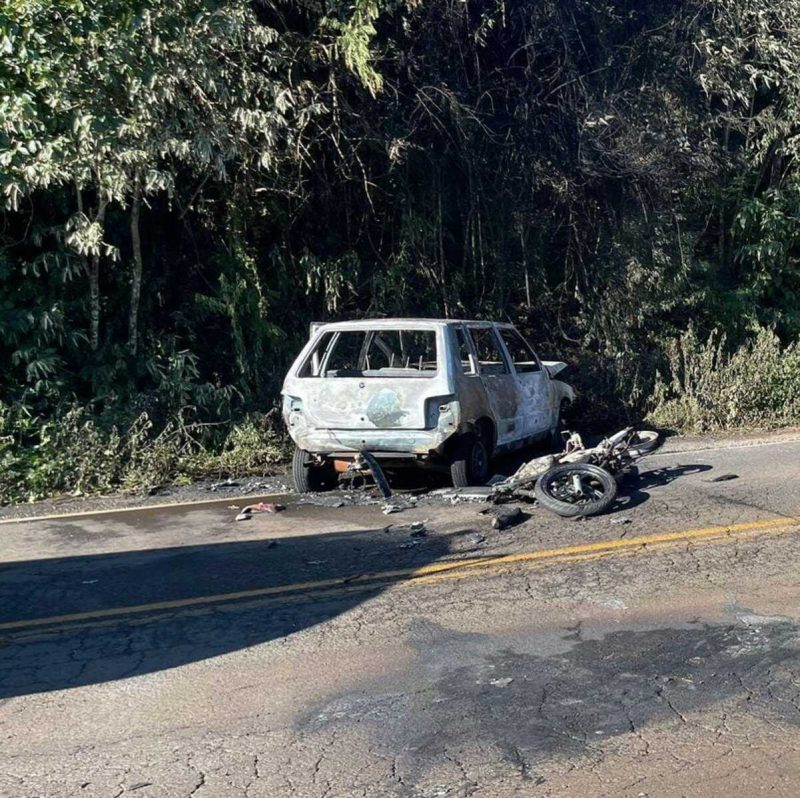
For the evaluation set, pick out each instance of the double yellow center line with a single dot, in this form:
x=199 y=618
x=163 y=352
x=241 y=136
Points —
x=425 y=574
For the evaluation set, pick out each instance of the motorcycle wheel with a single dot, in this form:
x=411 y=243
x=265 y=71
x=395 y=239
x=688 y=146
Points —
x=572 y=490
x=643 y=442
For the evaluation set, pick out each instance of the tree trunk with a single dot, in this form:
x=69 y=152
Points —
x=79 y=198
x=94 y=285
x=136 y=282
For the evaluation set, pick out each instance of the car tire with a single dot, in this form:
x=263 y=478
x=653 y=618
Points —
x=470 y=464
x=308 y=477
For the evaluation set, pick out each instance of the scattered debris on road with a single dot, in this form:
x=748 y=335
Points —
x=418 y=529
x=457 y=495
x=331 y=500
x=228 y=483
x=724 y=478
x=580 y=481
x=411 y=544
x=505 y=517
x=262 y=507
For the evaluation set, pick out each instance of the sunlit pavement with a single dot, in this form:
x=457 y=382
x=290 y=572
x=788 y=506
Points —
x=651 y=651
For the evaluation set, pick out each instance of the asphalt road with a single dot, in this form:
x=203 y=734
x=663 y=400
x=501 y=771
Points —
x=653 y=651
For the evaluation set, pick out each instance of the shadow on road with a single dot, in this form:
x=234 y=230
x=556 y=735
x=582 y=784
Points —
x=91 y=650
x=634 y=489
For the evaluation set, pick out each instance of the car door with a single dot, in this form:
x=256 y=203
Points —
x=532 y=381
x=500 y=384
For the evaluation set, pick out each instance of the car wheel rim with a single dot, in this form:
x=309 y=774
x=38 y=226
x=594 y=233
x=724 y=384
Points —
x=478 y=463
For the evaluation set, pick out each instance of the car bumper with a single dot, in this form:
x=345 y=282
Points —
x=408 y=442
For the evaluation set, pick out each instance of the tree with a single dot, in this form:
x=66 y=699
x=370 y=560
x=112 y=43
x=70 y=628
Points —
x=114 y=98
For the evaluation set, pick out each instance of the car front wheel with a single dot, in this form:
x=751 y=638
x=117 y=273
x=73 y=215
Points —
x=470 y=464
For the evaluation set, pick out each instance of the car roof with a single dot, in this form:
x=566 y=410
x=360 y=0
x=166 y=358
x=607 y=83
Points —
x=395 y=322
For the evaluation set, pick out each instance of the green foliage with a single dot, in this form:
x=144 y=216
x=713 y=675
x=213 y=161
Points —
x=255 y=445
x=186 y=185
x=354 y=39
x=709 y=389
x=79 y=454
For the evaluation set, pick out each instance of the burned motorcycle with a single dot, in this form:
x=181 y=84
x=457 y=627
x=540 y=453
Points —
x=580 y=481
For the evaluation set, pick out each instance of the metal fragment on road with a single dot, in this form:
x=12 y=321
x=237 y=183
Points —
x=475 y=494
x=377 y=473
x=724 y=478
x=411 y=544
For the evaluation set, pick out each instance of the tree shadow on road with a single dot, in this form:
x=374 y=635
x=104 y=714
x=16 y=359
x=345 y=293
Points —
x=88 y=642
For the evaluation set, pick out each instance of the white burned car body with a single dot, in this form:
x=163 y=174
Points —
x=440 y=393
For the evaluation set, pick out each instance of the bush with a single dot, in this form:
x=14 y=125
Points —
x=710 y=389
x=77 y=454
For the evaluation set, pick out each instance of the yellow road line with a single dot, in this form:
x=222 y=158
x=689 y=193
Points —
x=141 y=508
x=283 y=600
x=426 y=573
x=37 y=633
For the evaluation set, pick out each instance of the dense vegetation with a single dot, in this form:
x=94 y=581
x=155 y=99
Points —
x=187 y=184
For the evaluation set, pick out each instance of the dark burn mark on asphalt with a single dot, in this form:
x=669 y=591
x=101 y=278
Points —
x=77 y=535
x=567 y=694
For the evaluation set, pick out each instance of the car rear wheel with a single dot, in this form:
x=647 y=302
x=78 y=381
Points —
x=470 y=464
x=310 y=477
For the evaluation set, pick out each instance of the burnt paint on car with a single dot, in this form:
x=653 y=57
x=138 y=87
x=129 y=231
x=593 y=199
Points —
x=411 y=415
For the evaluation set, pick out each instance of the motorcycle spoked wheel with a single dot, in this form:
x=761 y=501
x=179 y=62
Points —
x=572 y=490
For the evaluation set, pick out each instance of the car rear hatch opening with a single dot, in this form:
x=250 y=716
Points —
x=372 y=378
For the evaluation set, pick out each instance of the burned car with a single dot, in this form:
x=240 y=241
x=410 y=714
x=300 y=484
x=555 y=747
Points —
x=442 y=394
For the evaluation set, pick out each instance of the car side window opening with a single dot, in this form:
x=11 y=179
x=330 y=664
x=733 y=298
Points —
x=464 y=352
x=313 y=363
x=490 y=356
x=373 y=353
x=522 y=355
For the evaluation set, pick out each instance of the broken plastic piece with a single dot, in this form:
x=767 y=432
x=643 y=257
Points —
x=261 y=507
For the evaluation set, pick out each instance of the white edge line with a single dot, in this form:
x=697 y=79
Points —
x=163 y=506
x=202 y=502
x=665 y=452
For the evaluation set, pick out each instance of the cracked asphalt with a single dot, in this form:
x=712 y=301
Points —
x=160 y=653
